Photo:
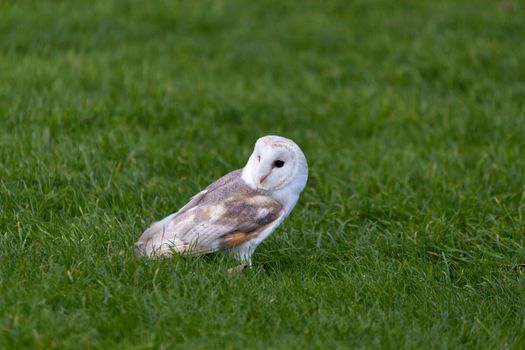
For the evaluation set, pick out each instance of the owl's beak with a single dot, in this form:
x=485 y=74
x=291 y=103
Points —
x=262 y=171
x=261 y=180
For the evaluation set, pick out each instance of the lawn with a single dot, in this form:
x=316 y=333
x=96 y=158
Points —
x=409 y=234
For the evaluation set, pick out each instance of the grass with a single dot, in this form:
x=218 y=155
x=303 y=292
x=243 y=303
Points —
x=410 y=231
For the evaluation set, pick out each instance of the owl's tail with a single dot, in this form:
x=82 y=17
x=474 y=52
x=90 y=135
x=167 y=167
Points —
x=154 y=241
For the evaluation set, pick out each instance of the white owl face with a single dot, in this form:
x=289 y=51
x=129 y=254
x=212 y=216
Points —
x=276 y=163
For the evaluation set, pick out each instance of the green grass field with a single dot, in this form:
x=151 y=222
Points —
x=409 y=234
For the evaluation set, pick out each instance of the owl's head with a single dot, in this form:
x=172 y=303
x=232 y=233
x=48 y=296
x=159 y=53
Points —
x=276 y=163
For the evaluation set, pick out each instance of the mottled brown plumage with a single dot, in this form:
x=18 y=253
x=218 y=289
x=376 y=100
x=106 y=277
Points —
x=227 y=213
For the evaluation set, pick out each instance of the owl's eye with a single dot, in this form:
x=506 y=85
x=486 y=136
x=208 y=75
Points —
x=259 y=159
x=278 y=163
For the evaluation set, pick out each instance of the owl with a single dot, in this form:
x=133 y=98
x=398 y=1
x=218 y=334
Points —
x=238 y=211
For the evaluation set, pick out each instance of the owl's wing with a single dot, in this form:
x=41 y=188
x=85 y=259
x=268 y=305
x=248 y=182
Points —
x=208 y=227
x=161 y=225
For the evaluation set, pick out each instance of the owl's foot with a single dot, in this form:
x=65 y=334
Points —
x=237 y=269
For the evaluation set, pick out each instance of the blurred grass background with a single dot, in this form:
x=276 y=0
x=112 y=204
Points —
x=410 y=231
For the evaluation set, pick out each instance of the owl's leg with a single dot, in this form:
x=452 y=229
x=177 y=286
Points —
x=246 y=261
x=242 y=255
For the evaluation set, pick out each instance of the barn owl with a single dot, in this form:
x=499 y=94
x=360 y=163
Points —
x=239 y=210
